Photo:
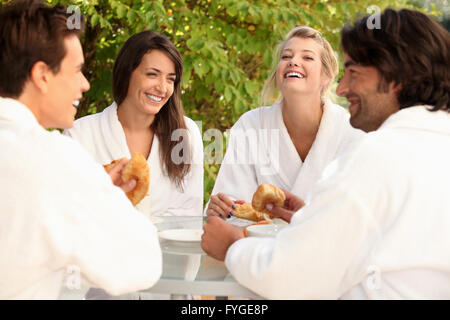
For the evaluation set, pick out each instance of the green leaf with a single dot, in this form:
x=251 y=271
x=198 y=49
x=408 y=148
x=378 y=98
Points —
x=186 y=77
x=210 y=79
x=205 y=67
x=237 y=90
x=268 y=58
x=215 y=70
x=226 y=75
x=94 y=20
x=232 y=11
x=202 y=93
x=219 y=85
x=231 y=39
x=250 y=87
x=194 y=44
x=159 y=9
x=121 y=12
x=104 y=24
x=228 y=94
x=147 y=6
x=198 y=45
x=239 y=106
x=131 y=17
x=198 y=69
x=234 y=77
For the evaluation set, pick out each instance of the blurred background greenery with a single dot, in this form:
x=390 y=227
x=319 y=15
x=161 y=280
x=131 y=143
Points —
x=227 y=46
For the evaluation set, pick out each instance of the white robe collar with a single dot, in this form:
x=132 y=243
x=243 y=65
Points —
x=110 y=126
x=13 y=110
x=301 y=174
x=324 y=149
x=419 y=117
x=285 y=152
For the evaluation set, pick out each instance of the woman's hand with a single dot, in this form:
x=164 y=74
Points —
x=221 y=205
x=291 y=205
x=116 y=176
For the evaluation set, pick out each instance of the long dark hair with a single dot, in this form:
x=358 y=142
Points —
x=171 y=115
x=409 y=49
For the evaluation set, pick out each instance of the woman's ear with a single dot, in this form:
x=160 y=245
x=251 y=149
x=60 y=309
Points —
x=40 y=76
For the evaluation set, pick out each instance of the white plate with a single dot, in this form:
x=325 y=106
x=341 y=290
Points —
x=182 y=235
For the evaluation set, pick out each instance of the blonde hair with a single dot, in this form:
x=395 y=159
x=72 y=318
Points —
x=330 y=66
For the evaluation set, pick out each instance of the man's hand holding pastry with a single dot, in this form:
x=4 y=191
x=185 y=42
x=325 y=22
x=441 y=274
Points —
x=271 y=201
x=115 y=172
x=132 y=176
x=291 y=205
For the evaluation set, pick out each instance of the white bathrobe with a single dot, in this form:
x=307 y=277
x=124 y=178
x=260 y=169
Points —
x=61 y=217
x=260 y=150
x=103 y=136
x=377 y=226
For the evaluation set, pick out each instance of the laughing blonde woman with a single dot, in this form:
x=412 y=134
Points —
x=289 y=143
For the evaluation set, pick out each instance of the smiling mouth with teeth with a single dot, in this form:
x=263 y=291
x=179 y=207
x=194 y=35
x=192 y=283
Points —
x=294 y=75
x=76 y=103
x=154 y=98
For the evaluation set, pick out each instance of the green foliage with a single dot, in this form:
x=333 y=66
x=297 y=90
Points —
x=227 y=47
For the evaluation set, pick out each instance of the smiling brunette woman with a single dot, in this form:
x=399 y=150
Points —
x=289 y=143
x=147 y=117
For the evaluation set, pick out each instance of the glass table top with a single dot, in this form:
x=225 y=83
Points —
x=187 y=269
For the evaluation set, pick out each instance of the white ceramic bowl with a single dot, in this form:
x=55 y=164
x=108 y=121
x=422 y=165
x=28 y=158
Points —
x=263 y=230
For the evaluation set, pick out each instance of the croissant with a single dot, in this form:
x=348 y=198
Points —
x=267 y=193
x=137 y=168
x=246 y=211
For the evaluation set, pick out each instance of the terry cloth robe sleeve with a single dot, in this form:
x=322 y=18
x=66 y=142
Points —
x=103 y=136
x=115 y=247
x=60 y=209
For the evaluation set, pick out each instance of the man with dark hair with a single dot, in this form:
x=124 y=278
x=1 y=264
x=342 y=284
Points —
x=59 y=210
x=378 y=225
x=408 y=60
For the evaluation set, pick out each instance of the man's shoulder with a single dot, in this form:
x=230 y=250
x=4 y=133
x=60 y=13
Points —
x=377 y=156
x=371 y=144
x=83 y=128
x=61 y=151
x=42 y=157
